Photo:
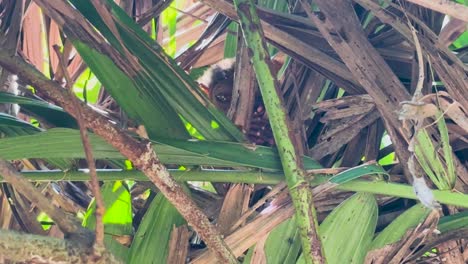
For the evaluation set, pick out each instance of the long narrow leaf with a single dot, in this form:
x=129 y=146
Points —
x=452 y=222
x=62 y=143
x=283 y=243
x=159 y=119
x=451 y=175
x=12 y=126
x=257 y=177
x=46 y=111
x=160 y=82
x=358 y=171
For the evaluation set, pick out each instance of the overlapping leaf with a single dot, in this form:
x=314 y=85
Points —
x=61 y=142
x=398 y=227
x=160 y=89
x=44 y=110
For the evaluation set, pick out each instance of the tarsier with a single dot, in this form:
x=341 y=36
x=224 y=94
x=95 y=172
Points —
x=218 y=80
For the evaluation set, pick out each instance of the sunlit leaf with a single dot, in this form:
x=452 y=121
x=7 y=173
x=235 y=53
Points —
x=117 y=218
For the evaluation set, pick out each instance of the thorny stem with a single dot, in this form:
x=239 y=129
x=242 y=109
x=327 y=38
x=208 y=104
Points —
x=298 y=185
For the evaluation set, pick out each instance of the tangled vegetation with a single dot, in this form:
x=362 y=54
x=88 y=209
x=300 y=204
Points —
x=218 y=131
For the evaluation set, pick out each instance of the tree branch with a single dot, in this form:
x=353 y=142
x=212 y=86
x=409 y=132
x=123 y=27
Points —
x=139 y=152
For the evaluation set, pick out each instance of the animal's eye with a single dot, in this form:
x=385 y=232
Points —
x=221 y=98
x=225 y=74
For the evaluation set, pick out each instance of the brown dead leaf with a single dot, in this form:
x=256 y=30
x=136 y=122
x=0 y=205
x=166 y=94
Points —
x=54 y=39
x=5 y=212
x=141 y=131
x=32 y=34
x=178 y=245
x=246 y=236
x=450 y=252
x=402 y=250
x=278 y=189
x=212 y=54
x=236 y=202
x=345 y=101
x=416 y=110
x=352 y=111
x=451 y=31
x=454 y=110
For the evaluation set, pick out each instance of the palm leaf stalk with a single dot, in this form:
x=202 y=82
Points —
x=379 y=187
x=299 y=187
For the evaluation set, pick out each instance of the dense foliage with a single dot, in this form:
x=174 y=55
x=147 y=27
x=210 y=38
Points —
x=183 y=131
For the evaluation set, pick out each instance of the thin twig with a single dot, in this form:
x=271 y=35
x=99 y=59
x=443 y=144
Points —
x=94 y=182
x=418 y=91
x=421 y=189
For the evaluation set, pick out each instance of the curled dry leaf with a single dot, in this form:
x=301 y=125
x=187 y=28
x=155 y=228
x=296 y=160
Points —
x=416 y=110
x=123 y=239
x=236 y=203
x=453 y=109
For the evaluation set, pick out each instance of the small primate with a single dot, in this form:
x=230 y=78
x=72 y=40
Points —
x=219 y=80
